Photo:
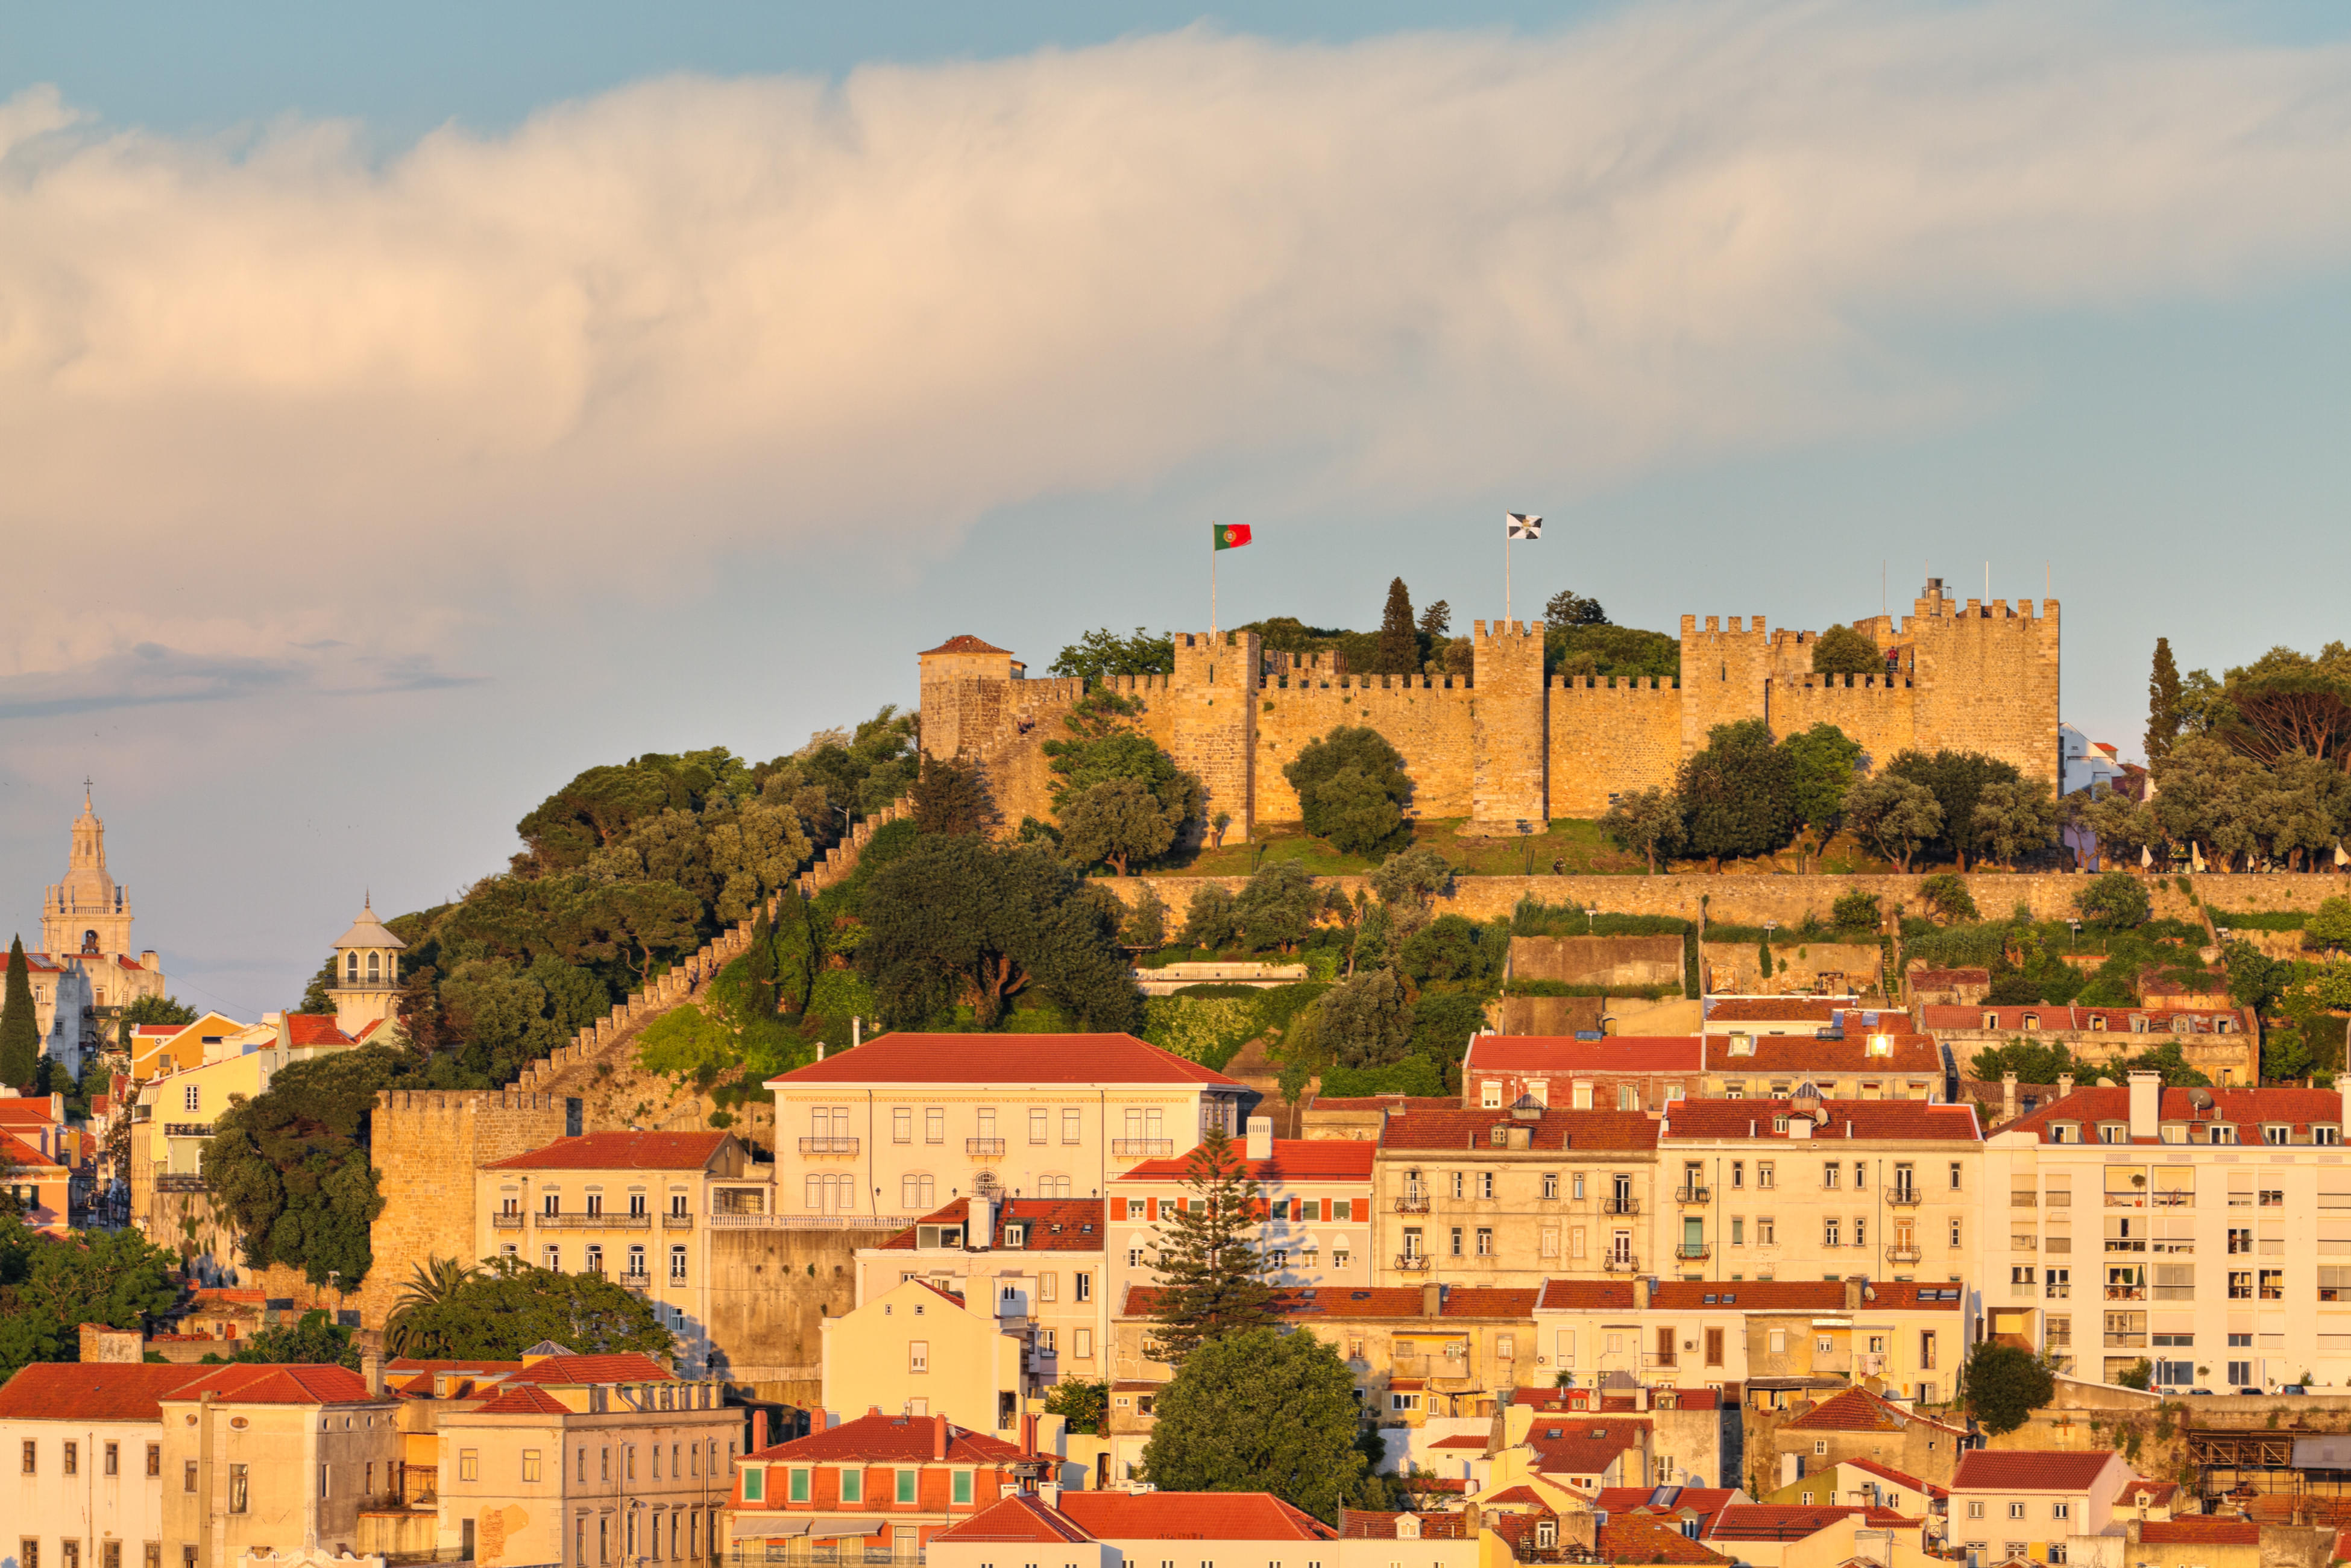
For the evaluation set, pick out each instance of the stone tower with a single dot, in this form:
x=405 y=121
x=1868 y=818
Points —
x=1511 y=790
x=366 y=973
x=86 y=913
x=1214 y=738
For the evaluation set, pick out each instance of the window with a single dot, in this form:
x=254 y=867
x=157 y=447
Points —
x=2273 y=1285
x=1830 y=1172
x=917 y=1194
x=469 y=1464
x=1085 y=1287
x=552 y=1259
x=2061 y=1511
x=1457 y=1241
x=677 y=1263
x=800 y=1485
x=1036 y=1125
x=1763 y=1231
x=1049 y=1286
x=1737 y=1232
x=2016 y=1510
x=72 y=1457
x=901 y=1124
x=1459 y=1181
x=188 y=1477
x=31 y=1465
x=1484 y=1184
x=1551 y=1183
x=1828 y=1233
x=961 y=1489
x=1083 y=1347
x=595 y=1201
x=1955 y=1231
x=1737 y=1173
x=193 y=1097
x=236 y=1488
x=906 y=1485
x=1763 y=1174
x=1975 y=1510
x=918 y=1356
x=113 y=1459
x=852 y=1484
x=154 y=1459
x=1072 y=1126
x=1485 y=1241
x=530 y=1464
x=1490 y=1095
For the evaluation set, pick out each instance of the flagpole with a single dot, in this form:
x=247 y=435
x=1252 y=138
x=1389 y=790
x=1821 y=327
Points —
x=1506 y=574
x=1213 y=553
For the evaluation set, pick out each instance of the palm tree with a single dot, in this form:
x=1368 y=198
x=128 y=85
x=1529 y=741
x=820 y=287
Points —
x=430 y=1284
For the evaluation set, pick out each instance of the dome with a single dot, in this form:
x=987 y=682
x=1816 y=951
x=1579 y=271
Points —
x=367 y=931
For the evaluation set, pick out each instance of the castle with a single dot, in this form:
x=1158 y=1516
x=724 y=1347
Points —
x=1508 y=749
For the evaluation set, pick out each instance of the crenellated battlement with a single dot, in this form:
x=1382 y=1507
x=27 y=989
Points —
x=1479 y=633
x=1137 y=685
x=1364 y=684
x=1715 y=627
x=1879 y=683
x=1626 y=683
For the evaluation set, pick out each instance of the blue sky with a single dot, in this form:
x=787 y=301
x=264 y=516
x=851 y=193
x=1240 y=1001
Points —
x=403 y=410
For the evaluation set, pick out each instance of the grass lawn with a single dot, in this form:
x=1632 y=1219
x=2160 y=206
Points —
x=1575 y=846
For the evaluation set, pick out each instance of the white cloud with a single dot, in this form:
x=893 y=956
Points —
x=695 y=312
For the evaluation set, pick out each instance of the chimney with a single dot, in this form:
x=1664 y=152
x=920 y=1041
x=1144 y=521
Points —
x=1028 y=1432
x=939 y=1437
x=1432 y=1300
x=2146 y=1102
x=874 y=1409
x=1853 y=1295
x=816 y=1418
x=101 y=1343
x=1640 y=1397
x=2008 y=1096
x=1260 y=1137
x=2065 y=1085
x=1642 y=1284
x=371 y=1369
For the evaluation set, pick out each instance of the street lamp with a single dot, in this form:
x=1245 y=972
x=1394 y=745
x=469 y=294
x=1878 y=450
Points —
x=1591 y=913
x=2077 y=934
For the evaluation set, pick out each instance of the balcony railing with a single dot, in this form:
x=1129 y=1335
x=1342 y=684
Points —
x=1690 y=1251
x=1140 y=1148
x=595 y=1221
x=1611 y=1264
x=1902 y=1196
x=829 y=1145
x=1692 y=1195
x=2125 y=1201
x=677 y=1222
x=187 y=1129
x=2059 y=1290
x=983 y=1148
x=171 y=1182
x=1898 y=1253
x=509 y=1221
x=2125 y=1342
x=1621 y=1206
x=2126 y=1292
x=1413 y=1203
x=1411 y=1262
x=637 y=1279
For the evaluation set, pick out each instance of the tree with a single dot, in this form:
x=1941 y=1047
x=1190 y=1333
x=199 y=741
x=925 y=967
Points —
x=1103 y=653
x=1738 y=794
x=1147 y=921
x=1264 y=1411
x=1897 y=817
x=1409 y=879
x=952 y=797
x=2014 y=817
x=1277 y=907
x=2162 y=703
x=1451 y=948
x=51 y=1285
x=506 y=1306
x=430 y=1284
x=20 y=1027
x=1364 y=1020
x=2115 y=901
x=1958 y=781
x=2005 y=1385
x=1103 y=747
x=959 y=915
x=2137 y=1374
x=318 y=997
x=1435 y=624
x=1842 y=651
x=2205 y=795
x=1209 y=1277
x=2329 y=926
x=1823 y=763
x=1210 y=921
x=2031 y=1061
x=1117 y=820
x=1083 y=1406
x=2122 y=826
x=2285 y=701
x=1645 y=822
x=1855 y=911
x=171 y=1009
x=1568 y=608
x=314 y=1340
x=1399 y=652
x=1352 y=789
x=1947 y=894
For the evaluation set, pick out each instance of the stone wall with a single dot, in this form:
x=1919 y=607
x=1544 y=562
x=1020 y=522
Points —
x=771 y=1290
x=1213 y=733
x=1624 y=961
x=1736 y=968
x=1880 y=712
x=1510 y=751
x=1987 y=680
x=1427 y=719
x=1611 y=737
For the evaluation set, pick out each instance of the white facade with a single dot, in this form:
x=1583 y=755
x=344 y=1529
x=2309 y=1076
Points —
x=89 y=1483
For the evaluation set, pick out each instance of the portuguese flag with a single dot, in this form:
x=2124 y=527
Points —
x=1230 y=536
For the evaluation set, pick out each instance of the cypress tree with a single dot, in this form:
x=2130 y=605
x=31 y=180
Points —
x=1209 y=1273
x=1399 y=652
x=760 y=966
x=2162 y=703
x=20 y=1031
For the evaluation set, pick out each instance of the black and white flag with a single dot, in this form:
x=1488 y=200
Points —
x=1524 y=526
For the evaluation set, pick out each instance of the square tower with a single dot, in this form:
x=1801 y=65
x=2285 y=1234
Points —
x=1511 y=782
x=1214 y=694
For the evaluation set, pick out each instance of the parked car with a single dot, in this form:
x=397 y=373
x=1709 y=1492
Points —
x=2293 y=1388
x=2199 y=1391
x=2253 y=1391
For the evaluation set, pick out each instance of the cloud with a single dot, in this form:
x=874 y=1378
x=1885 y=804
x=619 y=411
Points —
x=694 y=314
x=149 y=674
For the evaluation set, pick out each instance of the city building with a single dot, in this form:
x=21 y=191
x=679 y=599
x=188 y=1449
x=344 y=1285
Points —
x=1317 y=1207
x=1857 y=1424
x=39 y=1183
x=961 y=1349
x=883 y=1485
x=160 y=1050
x=1863 y=1062
x=2050 y=1505
x=367 y=975
x=2221 y=1042
x=62 y=1009
x=88 y=1446
x=1809 y=1187
x=635 y=1206
x=1115 y=1530
x=1619 y=1073
x=906 y=1121
x=1772 y=1535
x=1775 y=1015
x=86 y=923
x=2215 y=1227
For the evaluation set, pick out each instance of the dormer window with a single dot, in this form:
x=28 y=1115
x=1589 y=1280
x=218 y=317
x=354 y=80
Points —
x=2276 y=1133
x=2175 y=1133
x=2325 y=1133
x=2138 y=1023
x=1779 y=1123
x=1743 y=1045
x=2065 y=1132
x=1015 y=1235
x=1991 y=1020
x=2222 y=1133
x=2032 y=1021
x=2097 y=1023
x=2113 y=1133
x=1882 y=1044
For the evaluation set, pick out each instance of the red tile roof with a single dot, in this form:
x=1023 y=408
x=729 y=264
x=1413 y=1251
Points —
x=1705 y=1502
x=1371 y=1524
x=1638 y=1538
x=619 y=1152
x=1576 y=1442
x=1780 y=1521
x=2200 y=1532
x=17 y=1155
x=1859 y=1410
x=1958 y=1017
x=965 y=643
x=1483 y=1302
x=1585 y=1296
x=1793 y=1054
x=1191 y=1516
x=1896 y=1478
x=526 y=1402
x=1904 y=1295
x=627 y=1366
x=27 y=1110
x=2300 y=1108
x=1294 y=1159
x=314 y=1029
x=1053 y=1224
x=1749 y=1295
x=2029 y=1469
x=73 y=1391
x=296 y=1383
x=1471 y=1130
x=878 y=1439
x=1775 y=1009
x=1894 y=1120
x=1401 y=1103
x=2157 y=1493
x=1565 y=1053
x=1007 y=1060
x=1022 y=1517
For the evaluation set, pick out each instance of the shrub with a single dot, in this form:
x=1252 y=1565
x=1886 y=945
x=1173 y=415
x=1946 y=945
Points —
x=1854 y=911
x=1947 y=894
x=1352 y=789
x=2115 y=901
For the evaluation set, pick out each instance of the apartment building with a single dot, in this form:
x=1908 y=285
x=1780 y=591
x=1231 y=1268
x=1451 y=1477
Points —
x=881 y=1484
x=906 y=1121
x=84 y=1484
x=2214 y=1229
x=1115 y=1530
x=2221 y=1042
x=2049 y=1505
x=1855 y=1424
x=1811 y=1188
x=1869 y=1064
x=1513 y=1198
x=1618 y=1072
x=263 y=1456
x=1317 y=1207
x=638 y=1206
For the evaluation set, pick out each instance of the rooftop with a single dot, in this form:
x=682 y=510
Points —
x=314 y=1029
x=1856 y=1053
x=965 y=643
x=1565 y=1053
x=1482 y=1301
x=1468 y=1130
x=1005 y=1060
x=2029 y=1469
x=1891 y=1120
x=875 y=1437
x=2298 y=1108
x=1859 y=1410
x=1051 y=1224
x=1947 y=1018
x=576 y=1371
x=1294 y=1159
x=619 y=1152
x=1191 y=1516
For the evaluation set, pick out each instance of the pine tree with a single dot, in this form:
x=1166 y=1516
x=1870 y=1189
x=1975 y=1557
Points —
x=1210 y=1276
x=2162 y=703
x=1399 y=652
x=20 y=1031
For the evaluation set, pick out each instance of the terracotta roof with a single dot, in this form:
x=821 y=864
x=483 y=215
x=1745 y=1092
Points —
x=2028 y=1469
x=1775 y=1009
x=26 y=1111
x=2156 y=1492
x=626 y=1367
x=619 y=1152
x=1859 y=1410
x=17 y=1155
x=294 y=1382
x=1464 y=1441
x=1191 y=1516
x=1520 y=1494
x=1896 y=1478
x=1294 y=1159
x=1002 y=1060
x=1793 y=1054
x=1586 y=1295
x=229 y=1295
x=1638 y=1538
x=1372 y=1524
x=1054 y=1224
x=531 y=1401
x=1021 y=1517
x=1902 y=1120
x=964 y=642
x=1966 y=1017
x=1905 y=1295
x=1780 y=1521
x=314 y=1029
x=1485 y=1302
x=875 y=1437
x=1471 y=1130
x=1565 y=1053
x=1749 y=1295
x=2200 y=1532
x=1705 y=1502
x=1401 y=1103
x=2300 y=1108
x=1577 y=1443
x=75 y=1391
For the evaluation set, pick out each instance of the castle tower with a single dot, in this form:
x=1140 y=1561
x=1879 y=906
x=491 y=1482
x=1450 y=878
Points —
x=366 y=973
x=1214 y=691
x=1511 y=781
x=964 y=693
x=86 y=913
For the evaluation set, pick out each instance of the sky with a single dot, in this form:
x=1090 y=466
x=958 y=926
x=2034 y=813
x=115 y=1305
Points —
x=402 y=409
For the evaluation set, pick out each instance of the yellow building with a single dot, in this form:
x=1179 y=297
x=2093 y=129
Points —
x=925 y=1349
x=272 y=1455
x=158 y=1051
x=367 y=974
x=1864 y=1483
x=2049 y=1505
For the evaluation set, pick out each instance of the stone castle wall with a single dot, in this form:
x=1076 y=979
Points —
x=772 y=1288
x=1611 y=737
x=1427 y=718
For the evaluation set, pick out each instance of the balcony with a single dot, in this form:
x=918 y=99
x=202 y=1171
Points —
x=1902 y=1196
x=2125 y=1201
x=828 y=1147
x=595 y=1222
x=169 y=1182
x=187 y=1129
x=677 y=1222
x=636 y=1279
x=1621 y=1206
x=1900 y=1253
x=2125 y=1342
x=1413 y=1203
x=1616 y=1265
x=2126 y=1292
x=1691 y=1251
x=1139 y=1148
x=1694 y=1195
x=2059 y=1290
x=1411 y=1262
x=984 y=1148
x=511 y=1221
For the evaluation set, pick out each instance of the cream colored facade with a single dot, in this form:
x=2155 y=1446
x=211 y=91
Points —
x=88 y=1482
x=366 y=973
x=649 y=1227
x=915 y=1349
x=173 y=1117
x=625 y=1473
x=241 y=1476
x=1995 y=1524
